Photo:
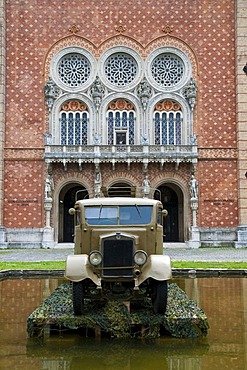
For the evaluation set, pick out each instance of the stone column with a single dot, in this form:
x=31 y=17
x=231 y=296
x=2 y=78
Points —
x=241 y=118
x=48 y=207
x=194 y=207
x=48 y=232
x=194 y=241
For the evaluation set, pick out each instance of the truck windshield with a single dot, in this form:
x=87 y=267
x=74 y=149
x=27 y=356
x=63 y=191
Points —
x=120 y=215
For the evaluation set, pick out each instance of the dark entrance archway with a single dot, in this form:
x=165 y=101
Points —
x=68 y=195
x=172 y=199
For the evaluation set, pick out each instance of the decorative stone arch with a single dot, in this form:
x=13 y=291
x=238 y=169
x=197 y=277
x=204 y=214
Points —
x=116 y=40
x=130 y=52
x=180 y=56
x=54 y=122
x=176 y=43
x=103 y=113
x=187 y=129
x=121 y=40
x=62 y=202
x=176 y=46
x=76 y=51
x=69 y=41
x=176 y=225
x=67 y=45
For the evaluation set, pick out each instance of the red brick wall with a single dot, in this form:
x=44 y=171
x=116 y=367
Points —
x=23 y=198
x=205 y=26
x=218 y=197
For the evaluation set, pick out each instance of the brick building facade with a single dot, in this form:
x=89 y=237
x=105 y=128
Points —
x=102 y=94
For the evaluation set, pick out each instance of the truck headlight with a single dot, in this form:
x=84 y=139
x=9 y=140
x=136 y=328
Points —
x=95 y=258
x=140 y=257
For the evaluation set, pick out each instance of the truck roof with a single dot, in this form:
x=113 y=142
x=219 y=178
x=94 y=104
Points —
x=115 y=201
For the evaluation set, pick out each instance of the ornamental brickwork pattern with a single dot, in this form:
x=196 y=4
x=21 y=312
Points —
x=202 y=29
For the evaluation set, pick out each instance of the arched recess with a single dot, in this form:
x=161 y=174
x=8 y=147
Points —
x=172 y=199
x=67 y=197
x=121 y=97
x=54 y=125
x=187 y=124
x=121 y=118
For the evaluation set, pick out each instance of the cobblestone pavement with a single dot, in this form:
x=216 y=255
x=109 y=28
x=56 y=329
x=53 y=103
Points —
x=177 y=253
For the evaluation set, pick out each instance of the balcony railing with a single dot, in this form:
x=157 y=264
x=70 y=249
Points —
x=120 y=153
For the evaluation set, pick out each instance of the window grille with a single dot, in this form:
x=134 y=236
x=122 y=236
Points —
x=121 y=122
x=74 y=69
x=120 y=69
x=73 y=124
x=167 y=69
x=121 y=127
x=168 y=123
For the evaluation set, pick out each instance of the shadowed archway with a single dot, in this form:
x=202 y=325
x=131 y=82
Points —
x=68 y=195
x=172 y=199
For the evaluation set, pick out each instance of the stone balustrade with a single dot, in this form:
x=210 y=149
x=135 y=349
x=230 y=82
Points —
x=121 y=153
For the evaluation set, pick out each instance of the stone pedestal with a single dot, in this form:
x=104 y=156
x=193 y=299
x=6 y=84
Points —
x=194 y=241
x=3 y=239
x=48 y=207
x=242 y=237
x=48 y=238
x=194 y=207
x=48 y=233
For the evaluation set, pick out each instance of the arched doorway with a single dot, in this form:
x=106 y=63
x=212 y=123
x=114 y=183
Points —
x=172 y=199
x=67 y=197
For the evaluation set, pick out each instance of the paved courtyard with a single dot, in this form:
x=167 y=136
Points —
x=177 y=252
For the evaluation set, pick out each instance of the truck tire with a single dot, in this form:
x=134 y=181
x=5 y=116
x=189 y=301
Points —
x=78 y=297
x=160 y=296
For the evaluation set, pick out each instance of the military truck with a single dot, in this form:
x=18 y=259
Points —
x=118 y=252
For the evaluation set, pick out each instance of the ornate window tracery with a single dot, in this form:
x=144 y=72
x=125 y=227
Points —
x=74 y=69
x=167 y=69
x=168 y=119
x=120 y=69
x=73 y=123
x=121 y=123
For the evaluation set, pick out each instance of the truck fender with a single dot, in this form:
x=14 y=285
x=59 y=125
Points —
x=157 y=267
x=78 y=268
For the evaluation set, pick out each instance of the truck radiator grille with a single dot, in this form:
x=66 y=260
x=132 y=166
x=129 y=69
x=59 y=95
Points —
x=117 y=254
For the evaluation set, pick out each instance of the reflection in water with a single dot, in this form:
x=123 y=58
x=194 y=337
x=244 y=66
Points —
x=115 y=354
x=224 y=300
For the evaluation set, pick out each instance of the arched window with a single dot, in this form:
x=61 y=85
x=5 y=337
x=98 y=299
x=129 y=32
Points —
x=168 y=120
x=121 y=123
x=73 y=123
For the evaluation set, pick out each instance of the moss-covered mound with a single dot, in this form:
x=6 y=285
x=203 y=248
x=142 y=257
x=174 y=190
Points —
x=183 y=317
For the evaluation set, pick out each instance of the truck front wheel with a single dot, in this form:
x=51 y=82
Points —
x=78 y=297
x=159 y=297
